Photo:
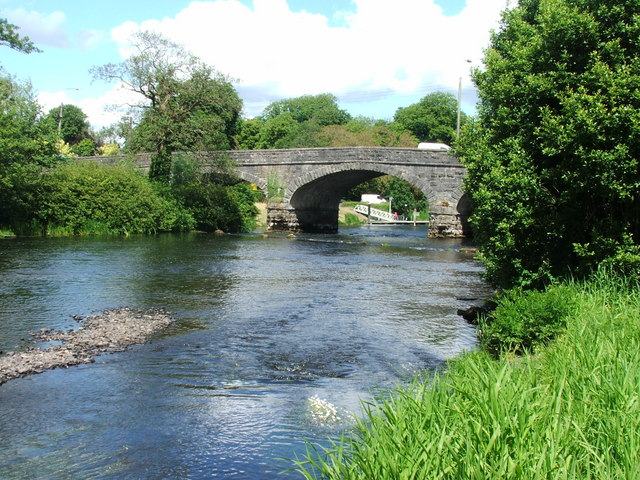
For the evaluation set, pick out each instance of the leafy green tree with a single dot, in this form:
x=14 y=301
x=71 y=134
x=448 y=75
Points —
x=248 y=137
x=553 y=159
x=23 y=147
x=433 y=119
x=84 y=148
x=68 y=122
x=186 y=105
x=276 y=130
x=9 y=37
x=323 y=109
x=21 y=136
x=297 y=122
x=86 y=197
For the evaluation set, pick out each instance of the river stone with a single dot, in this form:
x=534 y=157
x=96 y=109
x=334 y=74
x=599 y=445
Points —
x=111 y=331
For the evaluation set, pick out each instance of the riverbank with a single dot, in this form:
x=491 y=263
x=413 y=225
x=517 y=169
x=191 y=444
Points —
x=572 y=410
x=111 y=331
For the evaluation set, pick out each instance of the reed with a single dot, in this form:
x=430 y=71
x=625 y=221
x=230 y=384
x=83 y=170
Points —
x=570 y=411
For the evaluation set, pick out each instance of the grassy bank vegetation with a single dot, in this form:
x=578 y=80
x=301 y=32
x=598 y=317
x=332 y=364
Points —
x=570 y=410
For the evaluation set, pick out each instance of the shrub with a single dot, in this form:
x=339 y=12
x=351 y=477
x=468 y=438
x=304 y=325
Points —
x=85 y=197
x=525 y=320
x=85 y=148
x=219 y=207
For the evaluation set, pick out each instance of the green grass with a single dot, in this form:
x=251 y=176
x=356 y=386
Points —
x=351 y=219
x=570 y=411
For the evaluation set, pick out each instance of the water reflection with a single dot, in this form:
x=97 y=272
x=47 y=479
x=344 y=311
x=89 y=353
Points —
x=264 y=325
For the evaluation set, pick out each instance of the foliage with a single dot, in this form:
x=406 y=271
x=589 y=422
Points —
x=571 y=411
x=67 y=122
x=553 y=162
x=85 y=197
x=433 y=119
x=374 y=135
x=278 y=132
x=85 y=148
x=317 y=121
x=248 y=137
x=23 y=146
x=216 y=201
x=292 y=123
x=109 y=149
x=9 y=37
x=275 y=190
x=321 y=109
x=22 y=140
x=187 y=106
x=63 y=148
x=523 y=321
x=219 y=207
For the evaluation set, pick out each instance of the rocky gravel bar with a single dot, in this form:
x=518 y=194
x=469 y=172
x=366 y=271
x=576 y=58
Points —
x=111 y=331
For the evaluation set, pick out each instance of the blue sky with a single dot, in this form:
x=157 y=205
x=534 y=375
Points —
x=374 y=55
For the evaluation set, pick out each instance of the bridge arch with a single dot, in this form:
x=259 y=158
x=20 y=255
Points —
x=313 y=180
x=345 y=176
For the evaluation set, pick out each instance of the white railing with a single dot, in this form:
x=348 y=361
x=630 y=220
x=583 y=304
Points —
x=375 y=213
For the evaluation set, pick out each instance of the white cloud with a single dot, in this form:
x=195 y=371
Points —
x=41 y=28
x=89 y=39
x=101 y=111
x=381 y=49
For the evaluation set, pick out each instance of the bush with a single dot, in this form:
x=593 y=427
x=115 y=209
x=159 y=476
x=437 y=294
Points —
x=524 y=320
x=219 y=207
x=85 y=148
x=85 y=197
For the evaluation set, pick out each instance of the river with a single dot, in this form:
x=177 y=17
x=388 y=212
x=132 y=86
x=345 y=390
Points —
x=264 y=323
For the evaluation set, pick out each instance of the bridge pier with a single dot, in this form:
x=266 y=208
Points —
x=282 y=217
x=448 y=224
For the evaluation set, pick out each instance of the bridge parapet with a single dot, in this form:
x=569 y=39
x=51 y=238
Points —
x=342 y=155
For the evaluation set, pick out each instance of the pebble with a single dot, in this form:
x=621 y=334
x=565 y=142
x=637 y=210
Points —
x=111 y=331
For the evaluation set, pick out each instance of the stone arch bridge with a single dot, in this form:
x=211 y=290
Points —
x=310 y=182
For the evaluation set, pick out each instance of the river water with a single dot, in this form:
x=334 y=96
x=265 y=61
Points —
x=264 y=323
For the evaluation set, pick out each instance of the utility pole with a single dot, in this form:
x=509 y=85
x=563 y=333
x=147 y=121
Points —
x=459 y=103
x=59 y=120
x=459 y=106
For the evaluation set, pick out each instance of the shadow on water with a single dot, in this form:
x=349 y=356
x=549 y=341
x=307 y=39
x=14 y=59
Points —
x=264 y=324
